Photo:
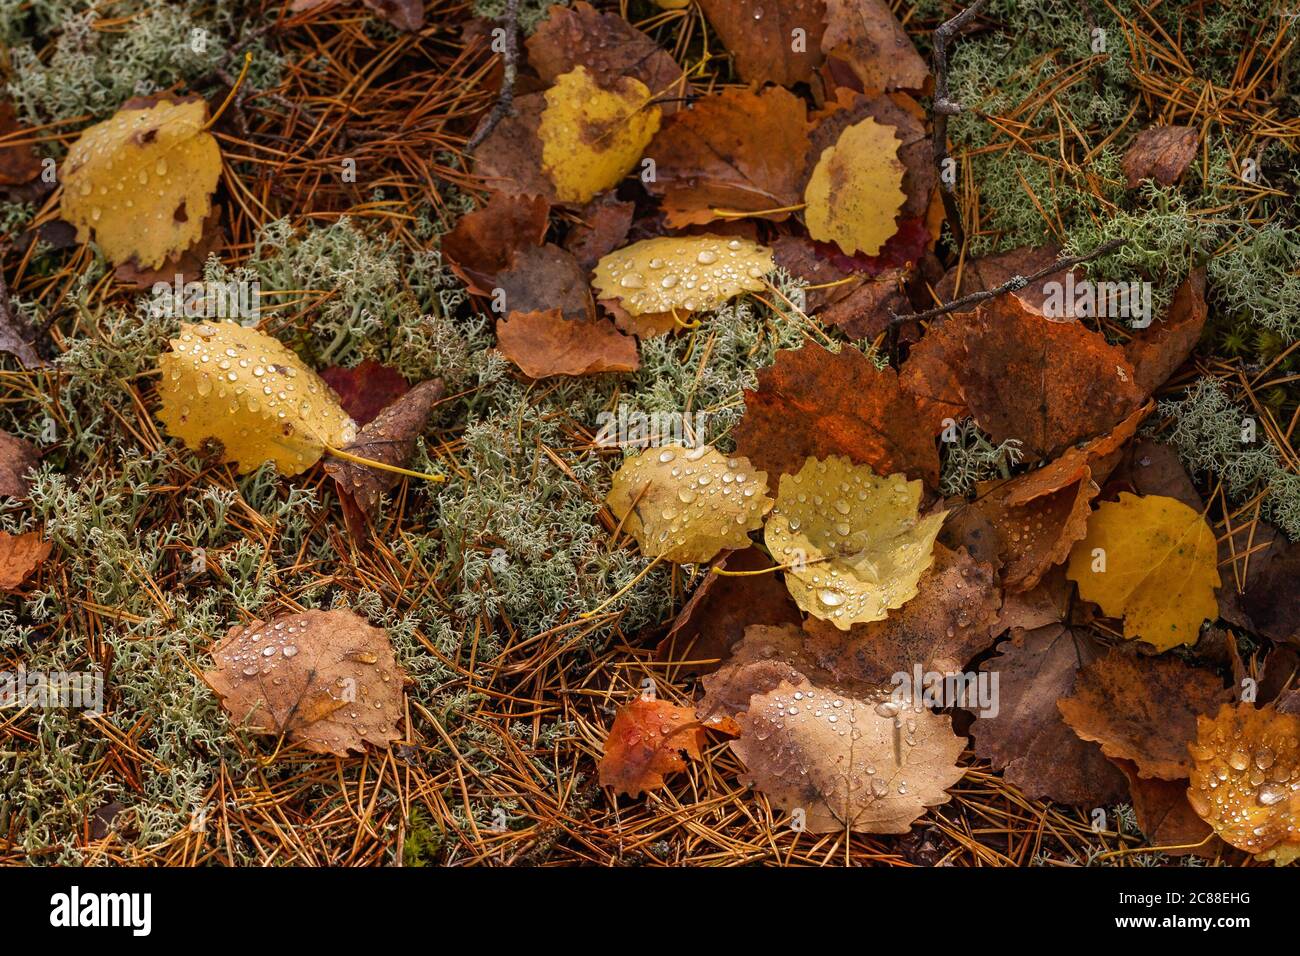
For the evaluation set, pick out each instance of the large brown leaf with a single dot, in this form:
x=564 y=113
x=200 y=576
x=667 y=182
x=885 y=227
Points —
x=484 y=243
x=759 y=35
x=546 y=343
x=864 y=38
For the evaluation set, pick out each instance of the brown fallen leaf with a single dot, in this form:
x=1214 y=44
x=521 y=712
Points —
x=1166 y=818
x=17 y=458
x=713 y=621
x=1047 y=602
x=546 y=343
x=16 y=334
x=815 y=403
x=766 y=656
x=1143 y=709
x=1047 y=384
x=326 y=679
x=546 y=277
x=990 y=272
x=365 y=389
x=1161 y=153
x=1156 y=352
x=849 y=763
x=760 y=37
x=510 y=156
x=1243 y=781
x=601 y=228
x=608 y=46
x=18 y=164
x=389 y=438
x=20 y=555
x=483 y=243
x=940 y=629
x=647 y=741
x=864 y=39
x=736 y=151
x=1150 y=467
x=1027 y=737
x=929 y=374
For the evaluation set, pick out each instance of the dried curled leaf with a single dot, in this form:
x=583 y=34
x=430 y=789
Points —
x=856 y=190
x=848 y=763
x=1245 y=780
x=1153 y=561
x=592 y=134
x=242 y=388
x=327 y=679
x=142 y=181
x=855 y=543
x=683 y=273
x=686 y=505
x=647 y=741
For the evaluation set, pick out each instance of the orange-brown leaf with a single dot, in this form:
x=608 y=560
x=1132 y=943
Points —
x=546 y=343
x=758 y=35
x=20 y=555
x=647 y=741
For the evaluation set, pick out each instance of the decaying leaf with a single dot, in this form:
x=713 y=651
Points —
x=545 y=277
x=546 y=343
x=647 y=741
x=687 y=504
x=390 y=439
x=601 y=228
x=18 y=164
x=872 y=46
x=1142 y=709
x=1047 y=384
x=592 y=134
x=737 y=151
x=816 y=403
x=855 y=542
x=326 y=679
x=1027 y=737
x=142 y=181
x=941 y=629
x=1160 y=153
x=483 y=243
x=989 y=272
x=1157 y=351
x=856 y=190
x=848 y=763
x=243 y=389
x=510 y=156
x=17 y=459
x=20 y=555
x=1153 y=561
x=682 y=273
x=365 y=389
x=759 y=36
x=1245 y=779
x=1166 y=818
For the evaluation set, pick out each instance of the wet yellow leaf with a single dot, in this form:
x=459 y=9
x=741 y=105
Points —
x=682 y=273
x=592 y=134
x=1153 y=561
x=855 y=542
x=244 y=389
x=856 y=189
x=142 y=182
x=687 y=504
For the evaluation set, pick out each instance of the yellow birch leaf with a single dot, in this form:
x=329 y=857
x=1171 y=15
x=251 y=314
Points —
x=1153 y=561
x=593 y=135
x=687 y=504
x=855 y=543
x=682 y=273
x=856 y=190
x=142 y=182
x=242 y=388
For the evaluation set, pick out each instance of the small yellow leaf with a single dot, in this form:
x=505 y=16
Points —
x=1153 y=561
x=593 y=135
x=686 y=505
x=683 y=273
x=142 y=182
x=854 y=541
x=856 y=190
x=244 y=389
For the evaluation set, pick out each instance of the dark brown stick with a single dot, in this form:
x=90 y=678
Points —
x=1011 y=285
x=945 y=107
x=505 y=104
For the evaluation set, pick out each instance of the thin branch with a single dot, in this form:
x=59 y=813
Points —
x=1011 y=285
x=505 y=104
x=945 y=107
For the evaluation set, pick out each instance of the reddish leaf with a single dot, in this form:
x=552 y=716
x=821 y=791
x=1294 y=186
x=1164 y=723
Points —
x=1166 y=818
x=484 y=242
x=18 y=164
x=601 y=228
x=365 y=389
x=870 y=43
x=647 y=741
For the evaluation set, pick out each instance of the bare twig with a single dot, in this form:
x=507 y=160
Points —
x=1011 y=285
x=505 y=103
x=945 y=107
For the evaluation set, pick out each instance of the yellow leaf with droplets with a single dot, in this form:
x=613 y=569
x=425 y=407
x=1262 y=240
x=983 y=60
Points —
x=592 y=134
x=1153 y=561
x=687 y=504
x=142 y=182
x=855 y=542
x=242 y=388
x=682 y=273
x=856 y=190
x=1245 y=764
